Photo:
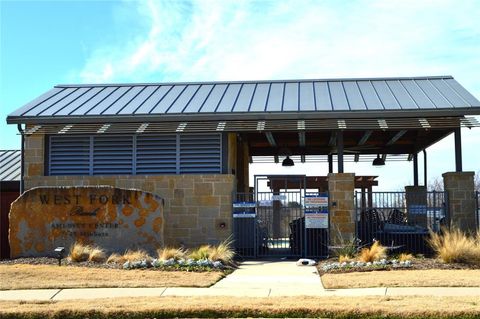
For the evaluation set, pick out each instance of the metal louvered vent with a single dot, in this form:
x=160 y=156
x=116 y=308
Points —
x=156 y=154
x=112 y=155
x=200 y=153
x=69 y=155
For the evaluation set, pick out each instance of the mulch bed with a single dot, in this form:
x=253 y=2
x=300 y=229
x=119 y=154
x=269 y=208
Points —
x=417 y=264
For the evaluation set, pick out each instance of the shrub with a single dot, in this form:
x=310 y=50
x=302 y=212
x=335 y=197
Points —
x=167 y=253
x=454 y=246
x=222 y=252
x=405 y=257
x=202 y=252
x=374 y=253
x=79 y=252
x=97 y=255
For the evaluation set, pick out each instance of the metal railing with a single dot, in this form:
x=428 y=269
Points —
x=400 y=220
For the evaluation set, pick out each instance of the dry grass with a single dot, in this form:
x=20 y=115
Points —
x=79 y=252
x=170 y=252
x=405 y=257
x=453 y=246
x=404 y=278
x=375 y=252
x=97 y=255
x=115 y=259
x=50 y=276
x=344 y=258
x=221 y=307
x=136 y=255
x=222 y=252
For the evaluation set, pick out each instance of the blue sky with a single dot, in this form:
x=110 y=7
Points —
x=44 y=43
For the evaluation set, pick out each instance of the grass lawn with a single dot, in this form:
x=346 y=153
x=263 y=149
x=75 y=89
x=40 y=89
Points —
x=224 y=307
x=404 y=278
x=23 y=276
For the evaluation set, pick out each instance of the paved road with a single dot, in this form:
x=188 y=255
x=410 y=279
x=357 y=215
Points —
x=252 y=279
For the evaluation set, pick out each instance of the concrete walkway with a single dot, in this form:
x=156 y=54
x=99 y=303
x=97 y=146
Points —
x=252 y=279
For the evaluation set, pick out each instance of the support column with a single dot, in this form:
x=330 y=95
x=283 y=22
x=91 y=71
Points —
x=425 y=179
x=415 y=169
x=340 y=151
x=330 y=163
x=276 y=215
x=458 y=149
x=341 y=188
x=461 y=199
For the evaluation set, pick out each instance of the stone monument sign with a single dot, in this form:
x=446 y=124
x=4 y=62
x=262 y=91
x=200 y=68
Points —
x=115 y=219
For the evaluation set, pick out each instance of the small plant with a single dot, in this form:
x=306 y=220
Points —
x=405 y=257
x=374 y=253
x=79 y=252
x=344 y=258
x=167 y=253
x=454 y=246
x=97 y=255
x=202 y=252
x=222 y=252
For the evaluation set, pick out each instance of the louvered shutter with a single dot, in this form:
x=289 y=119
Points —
x=200 y=153
x=69 y=155
x=112 y=155
x=156 y=154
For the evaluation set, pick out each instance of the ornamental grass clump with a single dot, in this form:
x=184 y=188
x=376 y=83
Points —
x=167 y=253
x=79 y=252
x=375 y=253
x=136 y=255
x=405 y=257
x=222 y=252
x=97 y=255
x=202 y=252
x=454 y=246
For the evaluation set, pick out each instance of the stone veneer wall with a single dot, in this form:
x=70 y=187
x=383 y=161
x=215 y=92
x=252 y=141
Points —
x=341 y=188
x=461 y=199
x=196 y=206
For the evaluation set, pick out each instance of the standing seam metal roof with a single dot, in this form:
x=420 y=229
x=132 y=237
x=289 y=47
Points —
x=326 y=96
x=10 y=163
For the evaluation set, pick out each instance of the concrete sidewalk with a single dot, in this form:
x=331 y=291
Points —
x=252 y=279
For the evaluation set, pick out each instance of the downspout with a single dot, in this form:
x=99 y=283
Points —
x=22 y=165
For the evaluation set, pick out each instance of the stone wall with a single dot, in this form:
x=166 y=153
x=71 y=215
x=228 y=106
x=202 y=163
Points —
x=197 y=207
x=341 y=188
x=461 y=199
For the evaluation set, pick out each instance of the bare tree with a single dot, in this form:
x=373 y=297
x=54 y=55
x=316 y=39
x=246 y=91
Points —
x=435 y=184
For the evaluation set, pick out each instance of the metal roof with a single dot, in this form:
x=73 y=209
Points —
x=289 y=99
x=10 y=165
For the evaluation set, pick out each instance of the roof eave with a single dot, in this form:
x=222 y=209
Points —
x=241 y=116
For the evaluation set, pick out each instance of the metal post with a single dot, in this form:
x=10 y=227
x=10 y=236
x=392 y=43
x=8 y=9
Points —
x=425 y=168
x=330 y=163
x=340 y=151
x=458 y=149
x=415 y=169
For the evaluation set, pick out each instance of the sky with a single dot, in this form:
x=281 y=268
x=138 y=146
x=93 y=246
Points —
x=44 y=43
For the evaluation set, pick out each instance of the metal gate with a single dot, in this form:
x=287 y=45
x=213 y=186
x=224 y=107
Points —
x=271 y=221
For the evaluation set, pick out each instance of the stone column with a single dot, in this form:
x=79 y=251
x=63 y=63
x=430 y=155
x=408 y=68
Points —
x=461 y=199
x=341 y=188
x=416 y=200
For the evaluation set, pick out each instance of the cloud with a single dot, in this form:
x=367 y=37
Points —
x=227 y=40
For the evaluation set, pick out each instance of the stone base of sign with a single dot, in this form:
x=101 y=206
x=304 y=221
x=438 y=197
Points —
x=341 y=188
x=461 y=199
x=198 y=207
x=115 y=219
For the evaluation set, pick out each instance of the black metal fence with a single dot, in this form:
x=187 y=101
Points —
x=401 y=220
x=477 y=215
